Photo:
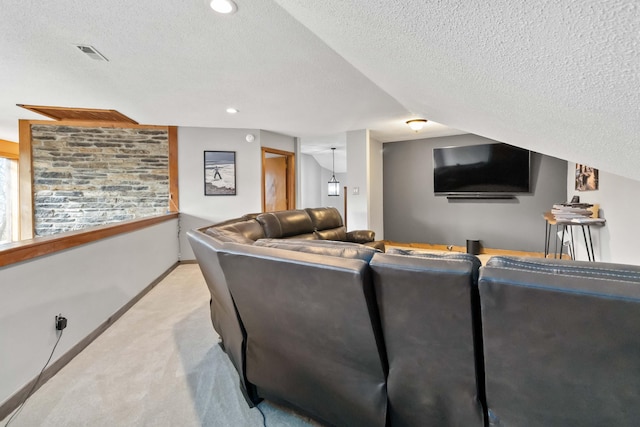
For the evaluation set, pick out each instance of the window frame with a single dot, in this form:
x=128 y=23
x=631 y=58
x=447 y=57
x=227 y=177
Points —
x=10 y=150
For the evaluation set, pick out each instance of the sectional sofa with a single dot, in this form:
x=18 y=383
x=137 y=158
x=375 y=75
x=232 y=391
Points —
x=353 y=336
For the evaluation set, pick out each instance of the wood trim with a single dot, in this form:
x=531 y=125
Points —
x=14 y=401
x=483 y=250
x=70 y=113
x=9 y=150
x=25 y=180
x=94 y=123
x=24 y=250
x=174 y=194
x=263 y=180
x=291 y=181
x=291 y=175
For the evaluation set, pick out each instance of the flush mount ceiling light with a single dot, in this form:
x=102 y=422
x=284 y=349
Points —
x=226 y=7
x=416 y=124
x=334 y=184
x=232 y=110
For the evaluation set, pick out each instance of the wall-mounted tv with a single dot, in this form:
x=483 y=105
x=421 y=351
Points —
x=481 y=170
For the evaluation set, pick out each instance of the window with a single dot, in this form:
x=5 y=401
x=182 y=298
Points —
x=9 y=210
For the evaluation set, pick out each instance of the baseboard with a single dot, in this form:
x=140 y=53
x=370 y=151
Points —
x=16 y=399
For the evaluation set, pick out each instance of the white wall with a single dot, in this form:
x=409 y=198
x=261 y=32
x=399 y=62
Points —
x=619 y=204
x=357 y=206
x=310 y=177
x=198 y=210
x=364 y=173
x=314 y=179
x=376 y=185
x=277 y=141
x=87 y=284
x=332 y=201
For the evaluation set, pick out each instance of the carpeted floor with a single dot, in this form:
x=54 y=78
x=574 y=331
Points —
x=158 y=365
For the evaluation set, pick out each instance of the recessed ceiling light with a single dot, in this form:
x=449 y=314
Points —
x=223 y=6
x=232 y=110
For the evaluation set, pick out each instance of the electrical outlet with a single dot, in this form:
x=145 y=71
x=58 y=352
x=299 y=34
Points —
x=61 y=322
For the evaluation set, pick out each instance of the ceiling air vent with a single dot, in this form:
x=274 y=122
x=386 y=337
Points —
x=91 y=52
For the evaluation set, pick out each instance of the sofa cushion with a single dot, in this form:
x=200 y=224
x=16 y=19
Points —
x=285 y=223
x=475 y=262
x=250 y=229
x=338 y=233
x=325 y=218
x=227 y=235
x=561 y=342
x=321 y=247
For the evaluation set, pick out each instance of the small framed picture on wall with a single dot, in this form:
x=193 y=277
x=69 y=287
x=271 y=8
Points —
x=219 y=173
x=586 y=178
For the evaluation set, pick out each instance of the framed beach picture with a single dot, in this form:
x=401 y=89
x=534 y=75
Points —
x=586 y=178
x=219 y=173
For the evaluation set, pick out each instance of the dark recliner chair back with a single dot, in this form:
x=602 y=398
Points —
x=562 y=342
x=313 y=341
x=428 y=310
x=283 y=224
x=223 y=314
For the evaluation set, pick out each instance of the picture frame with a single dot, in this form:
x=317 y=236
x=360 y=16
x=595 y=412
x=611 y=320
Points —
x=219 y=173
x=586 y=178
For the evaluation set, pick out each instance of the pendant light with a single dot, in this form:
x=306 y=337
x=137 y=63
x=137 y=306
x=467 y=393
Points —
x=334 y=184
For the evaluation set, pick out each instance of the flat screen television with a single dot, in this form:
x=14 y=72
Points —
x=481 y=170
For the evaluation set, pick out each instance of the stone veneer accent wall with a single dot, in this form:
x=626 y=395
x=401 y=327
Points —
x=88 y=176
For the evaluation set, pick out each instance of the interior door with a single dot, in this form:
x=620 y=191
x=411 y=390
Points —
x=278 y=191
x=275 y=184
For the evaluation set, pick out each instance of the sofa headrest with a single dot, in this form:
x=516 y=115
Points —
x=249 y=229
x=325 y=218
x=285 y=223
x=322 y=247
x=227 y=236
x=454 y=256
x=599 y=270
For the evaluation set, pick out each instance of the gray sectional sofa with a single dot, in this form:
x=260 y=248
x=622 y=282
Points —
x=353 y=336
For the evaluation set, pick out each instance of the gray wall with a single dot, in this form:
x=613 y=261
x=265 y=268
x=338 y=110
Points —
x=412 y=213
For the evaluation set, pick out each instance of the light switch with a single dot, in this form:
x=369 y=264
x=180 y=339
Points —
x=356 y=191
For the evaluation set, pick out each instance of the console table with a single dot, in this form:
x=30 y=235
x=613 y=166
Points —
x=567 y=226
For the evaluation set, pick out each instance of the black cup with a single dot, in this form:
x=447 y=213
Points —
x=473 y=247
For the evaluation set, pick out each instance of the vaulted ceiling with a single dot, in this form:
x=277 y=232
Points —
x=557 y=77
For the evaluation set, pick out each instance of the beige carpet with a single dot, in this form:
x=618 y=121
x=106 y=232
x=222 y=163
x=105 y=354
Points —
x=158 y=365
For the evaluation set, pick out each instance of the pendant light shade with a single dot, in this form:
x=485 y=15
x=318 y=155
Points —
x=334 y=184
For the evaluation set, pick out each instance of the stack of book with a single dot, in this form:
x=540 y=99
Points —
x=572 y=211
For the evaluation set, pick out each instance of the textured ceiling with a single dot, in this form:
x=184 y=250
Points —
x=558 y=77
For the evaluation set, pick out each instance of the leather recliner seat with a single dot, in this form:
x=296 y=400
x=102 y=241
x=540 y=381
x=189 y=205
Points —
x=561 y=342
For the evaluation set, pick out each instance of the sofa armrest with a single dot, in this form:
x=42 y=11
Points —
x=361 y=236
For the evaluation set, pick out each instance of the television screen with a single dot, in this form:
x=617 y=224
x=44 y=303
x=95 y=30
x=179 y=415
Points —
x=481 y=169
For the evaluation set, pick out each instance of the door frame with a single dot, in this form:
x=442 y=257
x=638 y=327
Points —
x=291 y=175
